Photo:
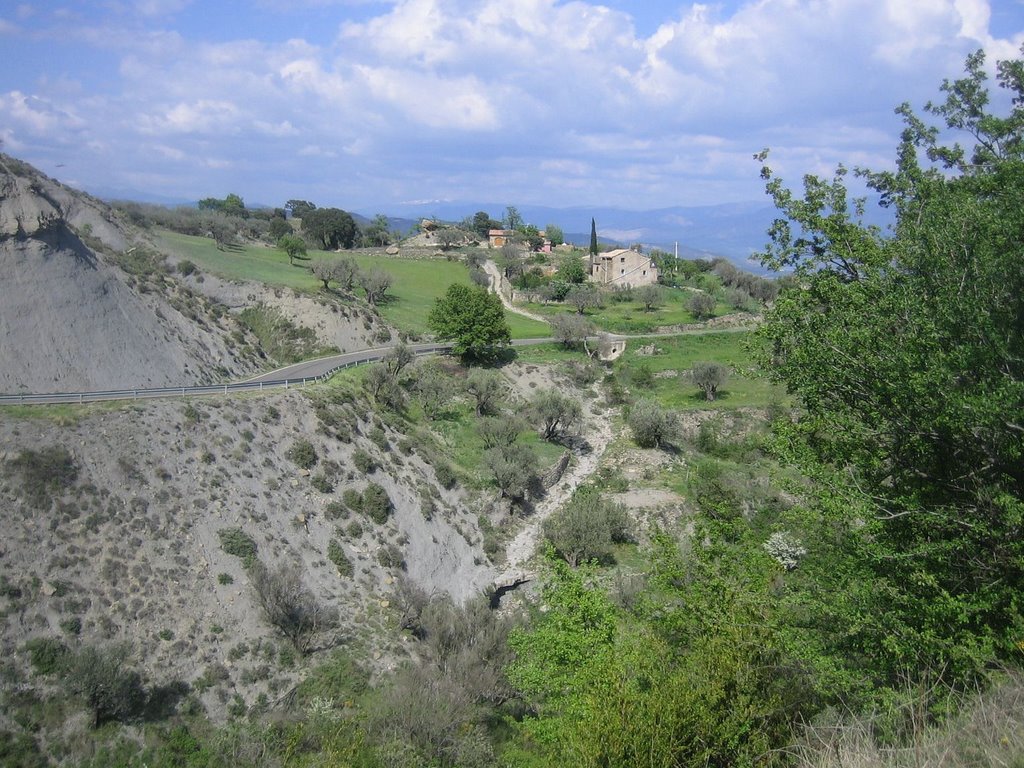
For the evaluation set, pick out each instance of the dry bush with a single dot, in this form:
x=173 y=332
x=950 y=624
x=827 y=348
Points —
x=988 y=730
x=290 y=606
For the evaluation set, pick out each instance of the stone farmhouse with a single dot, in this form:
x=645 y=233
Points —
x=623 y=266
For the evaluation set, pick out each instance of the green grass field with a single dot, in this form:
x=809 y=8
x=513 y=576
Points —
x=630 y=317
x=417 y=282
x=746 y=385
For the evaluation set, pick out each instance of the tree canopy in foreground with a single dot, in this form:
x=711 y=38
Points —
x=905 y=348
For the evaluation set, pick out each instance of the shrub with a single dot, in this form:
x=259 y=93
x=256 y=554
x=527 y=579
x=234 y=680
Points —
x=354 y=529
x=44 y=473
x=445 y=475
x=498 y=432
x=390 y=556
x=322 y=483
x=380 y=438
x=336 y=510
x=111 y=690
x=237 y=542
x=186 y=267
x=376 y=503
x=363 y=461
x=652 y=425
x=701 y=305
x=72 y=626
x=289 y=605
x=47 y=655
x=225 y=578
x=303 y=454
x=336 y=554
x=353 y=499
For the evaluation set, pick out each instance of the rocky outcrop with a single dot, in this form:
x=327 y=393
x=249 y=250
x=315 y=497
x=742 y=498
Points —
x=71 y=319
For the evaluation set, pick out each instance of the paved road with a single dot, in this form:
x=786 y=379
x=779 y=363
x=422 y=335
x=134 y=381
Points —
x=293 y=375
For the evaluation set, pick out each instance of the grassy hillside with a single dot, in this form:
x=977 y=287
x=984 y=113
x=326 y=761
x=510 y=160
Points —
x=631 y=317
x=656 y=367
x=417 y=281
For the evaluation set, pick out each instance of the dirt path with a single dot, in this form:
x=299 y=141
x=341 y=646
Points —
x=521 y=549
x=495 y=274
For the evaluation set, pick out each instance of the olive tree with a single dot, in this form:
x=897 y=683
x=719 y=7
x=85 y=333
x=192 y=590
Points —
x=555 y=413
x=652 y=425
x=709 y=376
x=701 y=305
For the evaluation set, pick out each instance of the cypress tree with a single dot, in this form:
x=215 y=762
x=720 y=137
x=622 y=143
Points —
x=593 y=237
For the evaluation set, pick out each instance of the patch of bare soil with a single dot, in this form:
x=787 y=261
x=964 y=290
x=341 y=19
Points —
x=338 y=323
x=130 y=545
x=595 y=435
x=83 y=309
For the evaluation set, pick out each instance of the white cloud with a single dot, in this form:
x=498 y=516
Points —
x=280 y=129
x=458 y=103
x=202 y=116
x=417 y=98
x=38 y=115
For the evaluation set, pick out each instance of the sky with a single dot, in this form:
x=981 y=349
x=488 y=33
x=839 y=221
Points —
x=362 y=104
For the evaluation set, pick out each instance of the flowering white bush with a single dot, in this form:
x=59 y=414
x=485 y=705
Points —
x=785 y=548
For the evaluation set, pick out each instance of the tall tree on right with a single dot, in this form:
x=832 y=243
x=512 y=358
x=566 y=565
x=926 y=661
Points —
x=593 y=237
x=906 y=351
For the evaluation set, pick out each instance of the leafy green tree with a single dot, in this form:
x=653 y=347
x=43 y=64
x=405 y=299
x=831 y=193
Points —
x=584 y=297
x=278 y=228
x=587 y=527
x=701 y=305
x=375 y=284
x=483 y=223
x=295 y=247
x=555 y=413
x=650 y=296
x=330 y=228
x=906 y=353
x=573 y=270
x=299 y=208
x=557 y=650
x=471 y=317
x=377 y=232
x=513 y=219
x=709 y=376
x=232 y=205
x=554 y=234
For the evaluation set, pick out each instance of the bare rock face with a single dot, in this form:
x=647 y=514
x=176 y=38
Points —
x=70 y=318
